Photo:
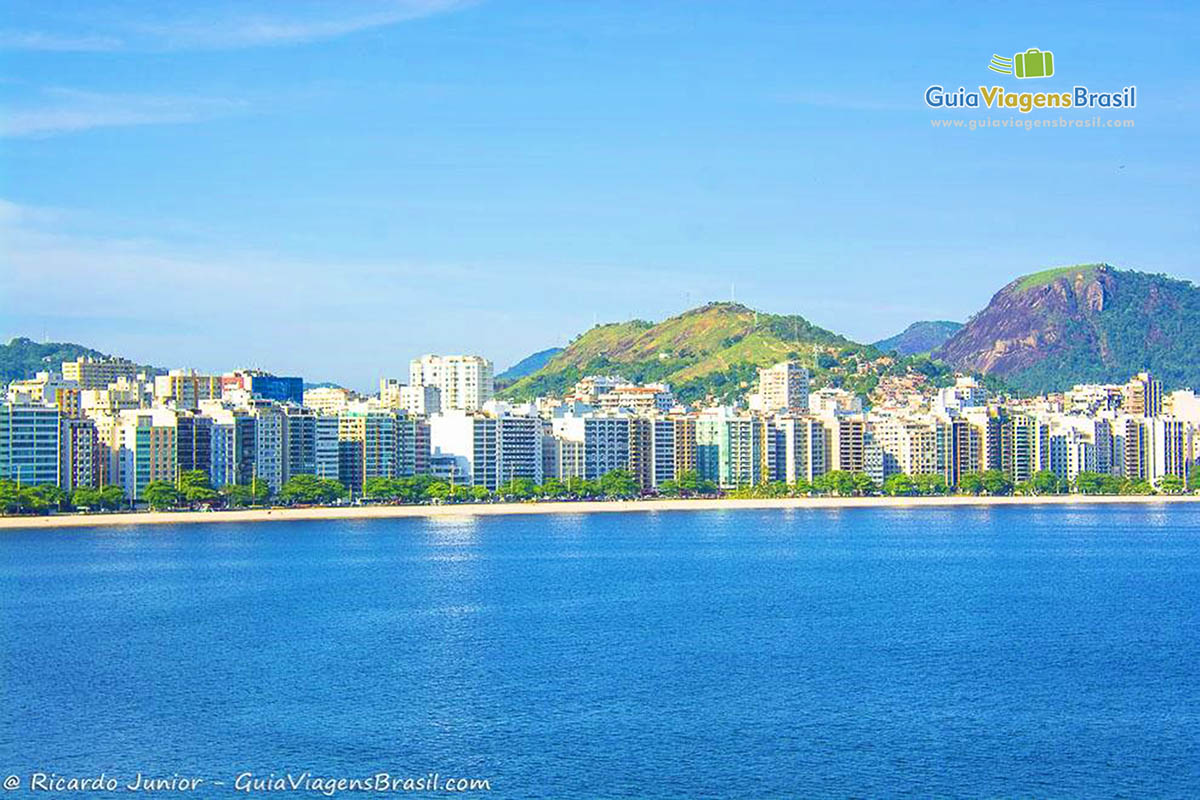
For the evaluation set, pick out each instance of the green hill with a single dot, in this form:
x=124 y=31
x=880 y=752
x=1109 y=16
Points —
x=23 y=358
x=920 y=337
x=715 y=350
x=1082 y=324
x=529 y=365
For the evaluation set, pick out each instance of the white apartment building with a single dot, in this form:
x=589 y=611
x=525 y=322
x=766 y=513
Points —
x=487 y=450
x=465 y=383
x=783 y=387
x=422 y=401
x=328 y=399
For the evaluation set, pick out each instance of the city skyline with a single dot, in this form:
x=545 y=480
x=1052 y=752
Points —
x=336 y=192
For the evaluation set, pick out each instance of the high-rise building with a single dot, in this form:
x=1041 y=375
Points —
x=193 y=442
x=185 y=388
x=804 y=447
x=729 y=448
x=232 y=445
x=417 y=400
x=147 y=451
x=592 y=445
x=264 y=385
x=328 y=399
x=325 y=446
x=300 y=441
x=98 y=373
x=783 y=387
x=29 y=443
x=1143 y=396
x=47 y=389
x=79 y=457
x=465 y=382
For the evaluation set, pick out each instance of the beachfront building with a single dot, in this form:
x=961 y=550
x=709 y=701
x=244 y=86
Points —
x=29 y=443
x=147 y=449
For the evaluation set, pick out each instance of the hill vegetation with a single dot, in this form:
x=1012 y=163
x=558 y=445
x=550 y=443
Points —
x=711 y=351
x=1087 y=323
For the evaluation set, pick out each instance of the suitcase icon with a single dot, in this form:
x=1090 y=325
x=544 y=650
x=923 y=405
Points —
x=1034 y=63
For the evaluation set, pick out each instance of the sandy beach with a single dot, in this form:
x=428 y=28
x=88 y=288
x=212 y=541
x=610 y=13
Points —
x=583 y=507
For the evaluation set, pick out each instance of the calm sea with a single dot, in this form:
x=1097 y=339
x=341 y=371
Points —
x=960 y=652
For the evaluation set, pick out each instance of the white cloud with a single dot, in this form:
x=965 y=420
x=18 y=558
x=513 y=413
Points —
x=61 y=111
x=34 y=40
x=219 y=26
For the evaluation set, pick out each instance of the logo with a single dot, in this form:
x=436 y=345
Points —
x=1033 y=63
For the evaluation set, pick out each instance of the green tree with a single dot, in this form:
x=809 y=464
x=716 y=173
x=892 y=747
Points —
x=480 y=494
x=86 y=497
x=1139 y=486
x=669 y=488
x=837 y=482
x=1171 y=484
x=996 y=483
x=618 y=483
x=801 y=488
x=863 y=485
x=899 y=485
x=376 y=488
x=518 y=489
x=1087 y=482
x=310 y=490
x=930 y=484
x=970 y=483
x=113 y=497
x=160 y=495
x=194 y=487
x=551 y=489
x=255 y=493
x=1046 y=482
x=438 y=490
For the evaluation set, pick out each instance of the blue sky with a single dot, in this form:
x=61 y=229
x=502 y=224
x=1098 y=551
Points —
x=331 y=188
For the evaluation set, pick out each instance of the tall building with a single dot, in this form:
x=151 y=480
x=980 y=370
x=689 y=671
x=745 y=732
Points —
x=79 y=454
x=29 y=443
x=488 y=450
x=300 y=441
x=193 y=442
x=232 y=445
x=328 y=399
x=1143 y=396
x=418 y=400
x=804 y=447
x=648 y=399
x=185 y=388
x=386 y=440
x=465 y=382
x=264 y=385
x=47 y=389
x=729 y=449
x=592 y=445
x=325 y=446
x=98 y=373
x=147 y=451
x=783 y=387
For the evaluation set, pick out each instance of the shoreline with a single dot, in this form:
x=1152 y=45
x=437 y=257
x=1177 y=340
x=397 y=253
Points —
x=573 y=507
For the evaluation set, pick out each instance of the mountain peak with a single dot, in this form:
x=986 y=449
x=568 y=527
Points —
x=1084 y=323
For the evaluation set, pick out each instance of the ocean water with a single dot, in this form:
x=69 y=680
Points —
x=1048 y=652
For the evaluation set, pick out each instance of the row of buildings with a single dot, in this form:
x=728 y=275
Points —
x=101 y=422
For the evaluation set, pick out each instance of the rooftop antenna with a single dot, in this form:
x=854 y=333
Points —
x=732 y=293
